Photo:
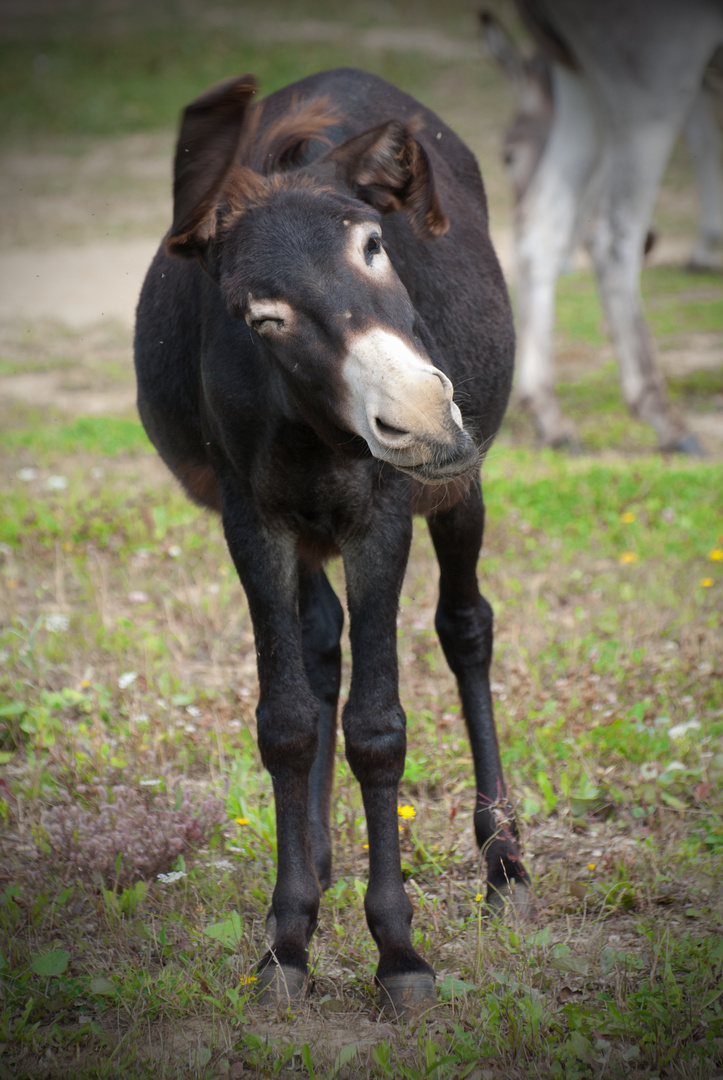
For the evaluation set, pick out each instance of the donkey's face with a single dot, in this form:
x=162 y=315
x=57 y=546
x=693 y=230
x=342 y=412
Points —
x=308 y=271
x=299 y=254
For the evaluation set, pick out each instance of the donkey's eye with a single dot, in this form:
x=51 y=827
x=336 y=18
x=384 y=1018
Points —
x=373 y=247
x=268 y=316
x=267 y=326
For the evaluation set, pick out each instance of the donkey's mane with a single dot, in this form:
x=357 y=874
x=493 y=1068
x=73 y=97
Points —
x=282 y=145
x=266 y=156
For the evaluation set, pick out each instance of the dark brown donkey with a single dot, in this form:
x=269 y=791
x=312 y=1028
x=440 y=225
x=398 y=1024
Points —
x=297 y=372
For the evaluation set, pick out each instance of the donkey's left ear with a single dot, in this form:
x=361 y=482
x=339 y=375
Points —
x=387 y=168
x=211 y=129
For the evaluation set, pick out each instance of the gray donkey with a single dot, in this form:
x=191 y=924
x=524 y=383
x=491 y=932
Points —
x=599 y=108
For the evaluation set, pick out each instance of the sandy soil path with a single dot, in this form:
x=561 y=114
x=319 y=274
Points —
x=78 y=286
x=91 y=283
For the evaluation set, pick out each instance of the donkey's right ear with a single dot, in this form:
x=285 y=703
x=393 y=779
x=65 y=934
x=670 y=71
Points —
x=210 y=132
x=502 y=48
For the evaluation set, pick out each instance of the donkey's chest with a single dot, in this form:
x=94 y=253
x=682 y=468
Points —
x=320 y=501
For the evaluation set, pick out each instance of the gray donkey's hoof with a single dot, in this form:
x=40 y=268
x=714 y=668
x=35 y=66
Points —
x=687 y=444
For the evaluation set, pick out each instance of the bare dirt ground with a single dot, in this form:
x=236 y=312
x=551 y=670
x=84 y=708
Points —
x=79 y=286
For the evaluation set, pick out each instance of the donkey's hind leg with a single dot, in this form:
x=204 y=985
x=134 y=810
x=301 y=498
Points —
x=634 y=167
x=464 y=625
x=322 y=619
x=705 y=143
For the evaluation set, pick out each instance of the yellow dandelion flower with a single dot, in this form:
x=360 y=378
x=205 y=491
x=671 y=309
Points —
x=716 y=555
x=406 y=812
x=478 y=898
x=591 y=865
x=247 y=980
x=365 y=846
x=85 y=684
x=628 y=517
x=707 y=582
x=242 y=821
x=629 y=556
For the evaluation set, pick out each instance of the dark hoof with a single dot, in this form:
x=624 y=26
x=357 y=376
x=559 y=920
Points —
x=407 y=995
x=270 y=930
x=277 y=985
x=515 y=895
x=687 y=444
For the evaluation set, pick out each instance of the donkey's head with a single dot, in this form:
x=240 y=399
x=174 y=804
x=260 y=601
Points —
x=526 y=137
x=298 y=252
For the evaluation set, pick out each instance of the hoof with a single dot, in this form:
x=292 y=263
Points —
x=705 y=264
x=277 y=985
x=687 y=444
x=567 y=444
x=270 y=930
x=517 y=896
x=407 y=995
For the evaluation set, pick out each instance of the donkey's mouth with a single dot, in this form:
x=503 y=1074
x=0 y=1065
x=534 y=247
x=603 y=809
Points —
x=444 y=466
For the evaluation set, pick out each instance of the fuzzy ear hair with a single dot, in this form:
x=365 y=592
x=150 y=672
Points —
x=207 y=143
x=387 y=168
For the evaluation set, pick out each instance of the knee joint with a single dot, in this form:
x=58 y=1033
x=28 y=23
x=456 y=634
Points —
x=376 y=745
x=287 y=733
x=465 y=633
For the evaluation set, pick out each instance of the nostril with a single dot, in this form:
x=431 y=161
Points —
x=388 y=431
x=446 y=384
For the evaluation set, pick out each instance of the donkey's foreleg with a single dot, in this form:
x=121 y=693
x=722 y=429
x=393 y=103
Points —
x=374 y=728
x=546 y=220
x=287 y=732
x=322 y=619
x=464 y=625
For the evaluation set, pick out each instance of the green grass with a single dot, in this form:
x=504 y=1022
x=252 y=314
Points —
x=105 y=436
x=674 y=509
x=127 y=655
x=597 y=661
x=76 y=75
x=674 y=303
x=578 y=310
x=606 y=583
x=700 y=388
x=126 y=84
x=18 y=367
